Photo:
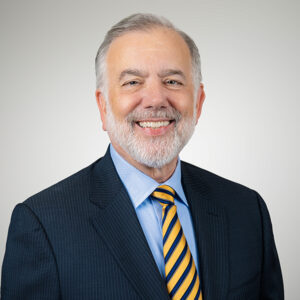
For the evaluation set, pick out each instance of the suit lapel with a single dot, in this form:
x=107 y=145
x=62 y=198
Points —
x=210 y=224
x=116 y=222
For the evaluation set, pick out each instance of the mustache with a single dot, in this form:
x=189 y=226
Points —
x=154 y=113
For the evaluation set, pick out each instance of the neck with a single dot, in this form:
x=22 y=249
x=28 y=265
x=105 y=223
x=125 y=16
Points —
x=158 y=174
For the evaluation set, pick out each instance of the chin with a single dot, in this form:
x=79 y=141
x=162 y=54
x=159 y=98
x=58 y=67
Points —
x=151 y=151
x=155 y=152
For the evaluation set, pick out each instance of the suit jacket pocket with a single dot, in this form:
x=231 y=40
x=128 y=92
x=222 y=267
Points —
x=248 y=291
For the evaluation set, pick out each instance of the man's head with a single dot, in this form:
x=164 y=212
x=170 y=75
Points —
x=142 y=22
x=149 y=89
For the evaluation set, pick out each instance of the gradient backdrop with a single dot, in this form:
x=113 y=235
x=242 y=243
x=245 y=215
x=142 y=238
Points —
x=249 y=129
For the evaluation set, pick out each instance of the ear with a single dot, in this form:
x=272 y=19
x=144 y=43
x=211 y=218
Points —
x=102 y=107
x=199 y=101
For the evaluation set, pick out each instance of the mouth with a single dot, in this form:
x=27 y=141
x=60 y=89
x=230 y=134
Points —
x=154 y=124
x=154 y=127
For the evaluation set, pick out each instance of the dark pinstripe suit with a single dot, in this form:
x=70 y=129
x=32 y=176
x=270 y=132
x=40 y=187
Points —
x=81 y=239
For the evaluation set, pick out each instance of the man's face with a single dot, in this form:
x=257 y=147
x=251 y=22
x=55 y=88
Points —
x=151 y=110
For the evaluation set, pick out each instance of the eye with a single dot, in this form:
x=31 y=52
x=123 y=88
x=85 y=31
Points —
x=131 y=83
x=173 y=82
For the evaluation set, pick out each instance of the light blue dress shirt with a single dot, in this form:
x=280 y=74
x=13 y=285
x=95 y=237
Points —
x=149 y=212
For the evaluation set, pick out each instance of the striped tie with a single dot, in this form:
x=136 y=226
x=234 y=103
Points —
x=181 y=275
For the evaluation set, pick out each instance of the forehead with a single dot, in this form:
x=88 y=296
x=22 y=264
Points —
x=156 y=47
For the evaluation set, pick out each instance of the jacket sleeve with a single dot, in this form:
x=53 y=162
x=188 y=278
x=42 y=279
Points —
x=271 y=280
x=29 y=268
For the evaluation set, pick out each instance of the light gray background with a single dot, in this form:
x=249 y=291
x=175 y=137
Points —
x=248 y=130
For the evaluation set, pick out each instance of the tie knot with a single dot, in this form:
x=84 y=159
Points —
x=164 y=194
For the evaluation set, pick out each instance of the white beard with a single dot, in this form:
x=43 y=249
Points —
x=155 y=151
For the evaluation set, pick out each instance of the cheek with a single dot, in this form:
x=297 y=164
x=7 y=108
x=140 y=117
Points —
x=185 y=106
x=123 y=105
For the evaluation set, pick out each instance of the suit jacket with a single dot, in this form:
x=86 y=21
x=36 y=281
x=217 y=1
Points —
x=81 y=239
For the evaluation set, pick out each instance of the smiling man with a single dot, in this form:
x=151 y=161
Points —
x=154 y=99
x=139 y=223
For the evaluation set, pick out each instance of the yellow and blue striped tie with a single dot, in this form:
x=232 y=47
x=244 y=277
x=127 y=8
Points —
x=181 y=275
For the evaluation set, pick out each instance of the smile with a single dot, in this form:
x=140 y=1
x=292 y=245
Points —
x=154 y=124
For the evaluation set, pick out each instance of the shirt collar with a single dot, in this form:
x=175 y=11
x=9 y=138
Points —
x=133 y=178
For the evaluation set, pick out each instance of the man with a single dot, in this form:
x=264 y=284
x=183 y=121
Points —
x=139 y=223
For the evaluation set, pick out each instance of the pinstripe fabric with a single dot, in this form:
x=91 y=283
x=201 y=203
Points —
x=80 y=239
x=182 y=279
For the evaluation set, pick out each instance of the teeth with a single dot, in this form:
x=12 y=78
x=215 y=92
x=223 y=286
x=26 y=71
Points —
x=154 y=124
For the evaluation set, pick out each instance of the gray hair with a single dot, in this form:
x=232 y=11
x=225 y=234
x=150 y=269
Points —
x=142 y=22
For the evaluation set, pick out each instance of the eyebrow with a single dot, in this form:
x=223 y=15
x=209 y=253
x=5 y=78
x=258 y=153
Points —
x=134 y=72
x=169 y=72
x=139 y=73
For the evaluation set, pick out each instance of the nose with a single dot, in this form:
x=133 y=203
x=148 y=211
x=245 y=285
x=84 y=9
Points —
x=154 y=95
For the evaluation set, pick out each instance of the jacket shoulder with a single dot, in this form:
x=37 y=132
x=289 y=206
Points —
x=197 y=173
x=73 y=187
x=223 y=190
